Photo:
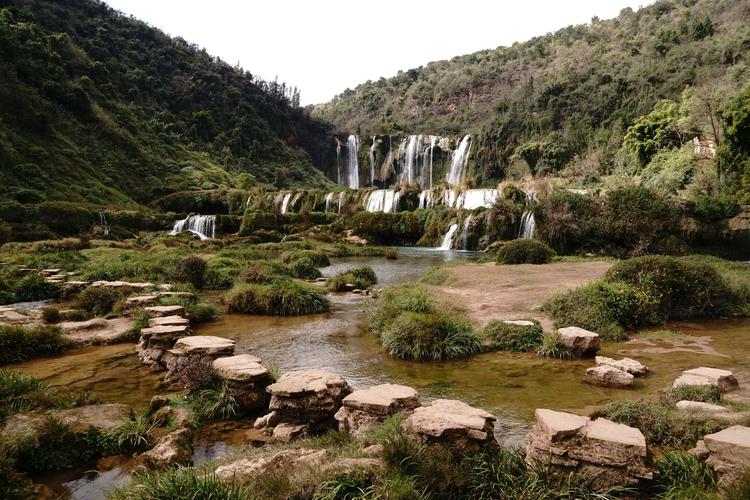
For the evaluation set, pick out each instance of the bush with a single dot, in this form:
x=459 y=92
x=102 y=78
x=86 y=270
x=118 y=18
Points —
x=51 y=315
x=429 y=337
x=202 y=312
x=192 y=269
x=551 y=347
x=524 y=251
x=683 y=476
x=362 y=277
x=99 y=300
x=221 y=273
x=35 y=287
x=282 y=297
x=319 y=258
x=264 y=271
x=509 y=337
x=712 y=208
x=702 y=393
x=305 y=268
x=395 y=300
x=19 y=344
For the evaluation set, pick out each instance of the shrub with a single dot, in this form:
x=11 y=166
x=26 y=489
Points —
x=35 y=287
x=19 y=344
x=319 y=258
x=202 y=312
x=395 y=300
x=683 y=476
x=712 y=208
x=429 y=337
x=282 y=297
x=220 y=273
x=524 y=251
x=305 y=268
x=509 y=337
x=602 y=306
x=361 y=277
x=703 y=393
x=264 y=271
x=51 y=315
x=99 y=300
x=192 y=269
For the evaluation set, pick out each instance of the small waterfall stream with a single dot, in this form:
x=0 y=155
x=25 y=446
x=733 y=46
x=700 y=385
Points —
x=285 y=203
x=465 y=233
x=204 y=226
x=447 y=243
x=372 y=161
x=528 y=222
x=329 y=202
x=103 y=223
x=383 y=200
x=352 y=163
x=459 y=161
x=338 y=160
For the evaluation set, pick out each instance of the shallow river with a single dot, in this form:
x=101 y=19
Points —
x=510 y=385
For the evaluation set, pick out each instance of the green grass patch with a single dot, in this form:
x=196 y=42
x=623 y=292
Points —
x=681 y=476
x=524 y=251
x=19 y=344
x=281 y=297
x=499 y=335
x=361 y=277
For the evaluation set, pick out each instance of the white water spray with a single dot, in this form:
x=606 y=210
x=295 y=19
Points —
x=448 y=238
x=352 y=167
x=202 y=225
x=459 y=161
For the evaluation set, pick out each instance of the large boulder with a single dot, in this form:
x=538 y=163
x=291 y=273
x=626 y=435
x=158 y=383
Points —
x=306 y=397
x=454 y=424
x=28 y=425
x=176 y=448
x=578 y=341
x=628 y=365
x=367 y=408
x=191 y=355
x=729 y=453
x=609 y=376
x=723 y=380
x=611 y=453
x=247 y=378
x=105 y=417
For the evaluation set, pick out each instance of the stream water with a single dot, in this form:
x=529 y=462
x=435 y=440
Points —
x=510 y=385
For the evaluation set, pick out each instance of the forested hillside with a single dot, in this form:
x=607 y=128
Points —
x=99 y=107
x=571 y=96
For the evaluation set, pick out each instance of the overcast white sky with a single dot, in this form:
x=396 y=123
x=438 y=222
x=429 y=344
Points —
x=325 y=46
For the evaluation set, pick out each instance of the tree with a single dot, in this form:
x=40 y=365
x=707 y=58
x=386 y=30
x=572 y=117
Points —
x=734 y=155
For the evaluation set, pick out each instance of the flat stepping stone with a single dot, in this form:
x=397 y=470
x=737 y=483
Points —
x=699 y=406
x=165 y=332
x=106 y=417
x=122 y=284
x=306 y=382
x=445 y=417
x=158 y=311
x=518 y=322
x=729 y=453
x=188 y=295
x=168 y=321
x=383 y=399
x=579 y=341
x=203 y=345
x=723 y=380
x=609 y=376
x=240 y=368
x=556 y=425
x=629 y=365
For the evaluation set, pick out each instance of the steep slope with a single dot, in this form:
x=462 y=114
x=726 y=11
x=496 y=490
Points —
x=98 y=107
x=578 y=89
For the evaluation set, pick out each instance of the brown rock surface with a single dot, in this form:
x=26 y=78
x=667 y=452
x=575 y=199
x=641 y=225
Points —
x=367 y=408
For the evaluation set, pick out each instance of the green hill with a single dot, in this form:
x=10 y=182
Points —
x=569 y=96
x=101 y=108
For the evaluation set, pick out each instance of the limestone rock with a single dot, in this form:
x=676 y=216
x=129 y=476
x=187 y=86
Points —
x=286 y=432
x=168 y=321
x=191 y=353
x=729 y=453
x=609 y=376
x=631 y=366
x=367 y=408
x=247 y=377
x=723 y=380
x=699 y=406
x=700 y=451
x=518 y=322
x=140 y=301
x=27 y=424
x=458 y=426
x=105 y=417
x=613 y=453
x=166 y=415
x=579 y=341
x=244 y=471
x=176 y=448
x=156 y=340
x=157 y=311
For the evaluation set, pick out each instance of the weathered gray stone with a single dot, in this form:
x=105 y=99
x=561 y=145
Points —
x=723 y=380
x=176 y=448
x=168 y=321
x=247 y=377
x=367 y=408
x=157 y=311
x=614 y=454
x=246 y=470
x=579 y=341
x=105 y=417
x=700 y=451
x=454 y=424
x=286 y=432
x=729 y=453
x=191 y=352
x=628 y=365
x=167 y=415
x=609 y=376
x=698 y=406
x=27 y=425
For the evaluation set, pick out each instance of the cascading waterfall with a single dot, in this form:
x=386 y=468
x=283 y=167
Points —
x=425 y=199
x=459 y=161
x=294 y=201
x=383 y=200
x=433 y=141
x=285 y=203
x=338 y=161
x=448 y=238
x=465 y=233
x=352 y=146
x=342 y=194
x=103 y=223
x=409 y=156
x=202 y=225
x=372 y=161
x=470 y=199
x=528 y=222
x=329 y=202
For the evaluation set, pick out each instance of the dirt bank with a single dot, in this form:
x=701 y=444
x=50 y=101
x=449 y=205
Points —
x=488 y=291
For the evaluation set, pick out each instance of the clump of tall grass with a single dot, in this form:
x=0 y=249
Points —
x=551 y=347
x=510 y=337
x=183 y=482
x=281 y=297
x=360 y=277
x=682 y=476
x=19 y=344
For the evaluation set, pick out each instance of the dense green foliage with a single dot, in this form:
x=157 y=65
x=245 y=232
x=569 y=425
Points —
x=101 y=107
x=20 y=393
x=99 y=300
x=509 y=337
x=651 y=290
x=411 y=325
x=280 y=297
x=524 y=251
x=19 y=344
x=362 y=277
x=682 y=476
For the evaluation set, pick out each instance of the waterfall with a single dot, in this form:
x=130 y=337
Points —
x=329 y=201
x=338 y=160
x=352 y=146
x=465 y=233
x=459 y=161
x=409 y=156
x=383 y=200
x=284 y=202
x=470 y=199
x=449 y=198
x=372 y=161
x=433 y=141
x=202 y=225
x=342 y=194
x=425 y=199
x=448 y=238
x=528 y=222
x=103 y=223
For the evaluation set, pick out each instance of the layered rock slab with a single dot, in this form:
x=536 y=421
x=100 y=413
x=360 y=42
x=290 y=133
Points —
x=247 y=378
x=368 y=408
x=723 y=380
x=609 y=376
x=192 y=354
x=729 y=453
